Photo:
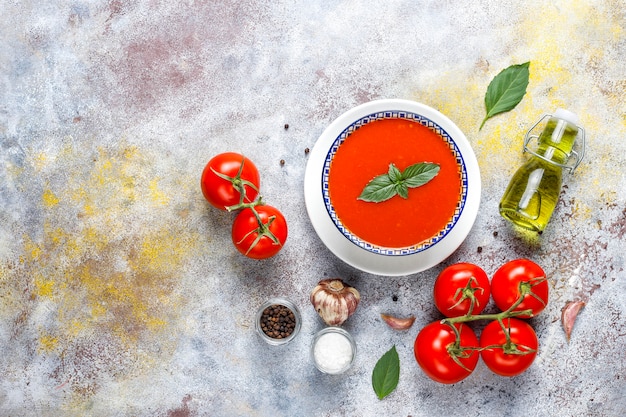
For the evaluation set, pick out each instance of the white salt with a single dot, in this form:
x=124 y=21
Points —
x=332 y=352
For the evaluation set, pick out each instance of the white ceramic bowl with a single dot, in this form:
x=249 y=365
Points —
x=363 y=255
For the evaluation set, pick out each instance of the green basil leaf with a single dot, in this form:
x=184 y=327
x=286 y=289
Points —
x=394 y=173
x=394 y=182
x=386 y=373
x=506 y=90
x=402 y=190
x=419 y=174
x=379 y=189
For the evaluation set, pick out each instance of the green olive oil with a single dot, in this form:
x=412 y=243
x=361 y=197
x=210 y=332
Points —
x=533 y=192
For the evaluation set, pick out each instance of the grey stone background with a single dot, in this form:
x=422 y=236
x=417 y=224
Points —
x=120 y=290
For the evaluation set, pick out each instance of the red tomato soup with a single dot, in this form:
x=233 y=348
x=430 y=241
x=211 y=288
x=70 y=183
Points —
x=397 y=222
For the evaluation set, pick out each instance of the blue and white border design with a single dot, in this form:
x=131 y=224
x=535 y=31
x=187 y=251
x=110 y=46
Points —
x=394 y=115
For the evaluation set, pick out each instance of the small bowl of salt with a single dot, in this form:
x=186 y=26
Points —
x=333 y=350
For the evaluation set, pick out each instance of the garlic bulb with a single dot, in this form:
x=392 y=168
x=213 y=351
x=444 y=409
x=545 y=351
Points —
x=334 y=300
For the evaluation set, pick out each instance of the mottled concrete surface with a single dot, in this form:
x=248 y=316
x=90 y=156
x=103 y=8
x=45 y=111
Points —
x=120 y=291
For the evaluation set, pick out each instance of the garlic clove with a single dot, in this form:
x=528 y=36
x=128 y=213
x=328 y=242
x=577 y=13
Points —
x=334 y=300
x=568 y=316
x=398 y=323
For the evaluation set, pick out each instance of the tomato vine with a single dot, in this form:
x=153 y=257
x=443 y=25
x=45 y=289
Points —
x=230 y=182
x=508 y=345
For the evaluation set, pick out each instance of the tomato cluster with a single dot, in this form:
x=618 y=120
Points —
x=448 y=350
x=231 y=181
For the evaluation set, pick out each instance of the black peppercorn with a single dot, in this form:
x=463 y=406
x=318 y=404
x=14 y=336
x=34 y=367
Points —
x=278 y=321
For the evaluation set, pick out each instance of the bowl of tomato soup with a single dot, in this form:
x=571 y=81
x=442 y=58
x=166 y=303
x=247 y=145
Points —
x=392 y=187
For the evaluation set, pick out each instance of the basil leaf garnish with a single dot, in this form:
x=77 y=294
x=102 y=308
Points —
x=396 y=182
x=506 y=90
x=379 y=189
x=419 y=174
x=386 y=373
x=394 y=174
x=402 y=190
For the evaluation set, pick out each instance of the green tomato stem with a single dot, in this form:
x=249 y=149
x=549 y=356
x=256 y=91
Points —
x=467 y=293
x=495 y=316
x=456 y=351
x=250 y=205
x=263 y=230
x=238 y=184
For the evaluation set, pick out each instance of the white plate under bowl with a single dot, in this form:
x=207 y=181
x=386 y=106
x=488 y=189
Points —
x=338 y=240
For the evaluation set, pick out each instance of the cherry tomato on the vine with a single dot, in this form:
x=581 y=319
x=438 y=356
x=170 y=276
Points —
x=457 y=285
x=226 y=176
x=516 y=278
x=261 y=237
x=508 y=357
x=441 y=357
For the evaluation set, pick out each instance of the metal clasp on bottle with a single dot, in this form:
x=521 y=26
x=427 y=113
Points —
x=575 y=155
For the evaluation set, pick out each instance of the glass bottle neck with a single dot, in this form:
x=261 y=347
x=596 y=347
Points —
x=553 y=154
x=557 y=140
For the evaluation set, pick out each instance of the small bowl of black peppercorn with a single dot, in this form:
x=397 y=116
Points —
x=278 y=321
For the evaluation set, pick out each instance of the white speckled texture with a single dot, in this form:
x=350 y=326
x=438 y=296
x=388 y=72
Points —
x=120 y=291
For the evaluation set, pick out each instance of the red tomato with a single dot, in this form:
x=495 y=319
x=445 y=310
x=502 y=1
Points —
x=260 y=237
x=228 y=175
x=508 y=357
x=518 y=278
x=437 y=352
x=455 y=287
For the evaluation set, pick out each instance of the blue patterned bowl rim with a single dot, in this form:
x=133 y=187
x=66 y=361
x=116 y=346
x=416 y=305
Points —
x=424 y=121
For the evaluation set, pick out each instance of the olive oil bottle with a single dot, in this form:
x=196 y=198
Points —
x=533 y=192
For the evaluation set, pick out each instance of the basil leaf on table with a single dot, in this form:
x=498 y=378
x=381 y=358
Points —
x=396 y=182
x=506 y=90
x=386 y=373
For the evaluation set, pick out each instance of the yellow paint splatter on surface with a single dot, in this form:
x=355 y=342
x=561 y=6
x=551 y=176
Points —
x=156 y=194
x=49 y=199
x=560 y=63
x=109 y=274
x=47 y=343
x=44 y=287
x=574 y=59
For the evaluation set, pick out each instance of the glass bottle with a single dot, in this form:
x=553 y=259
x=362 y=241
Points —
x=533 y=192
